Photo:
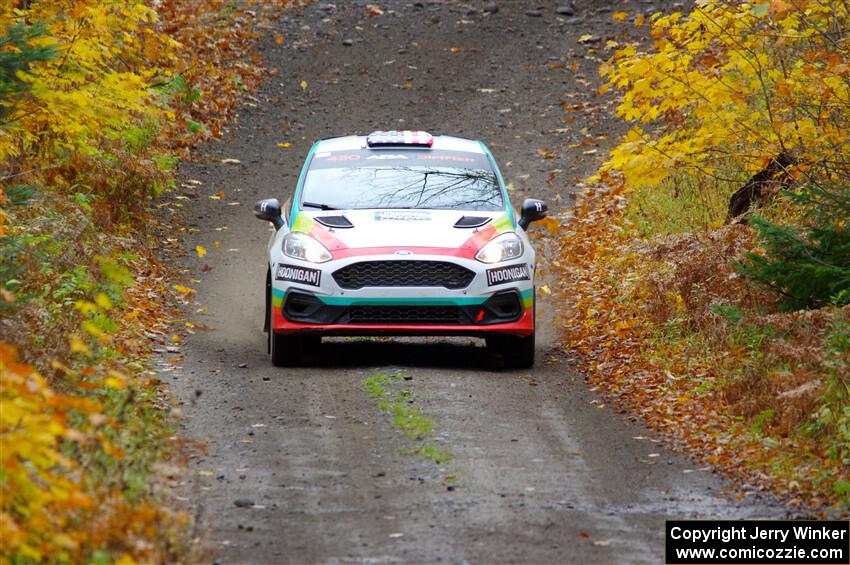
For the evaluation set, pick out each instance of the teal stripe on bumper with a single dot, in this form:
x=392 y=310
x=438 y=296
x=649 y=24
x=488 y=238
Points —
x=412 y=301
x=525 y=297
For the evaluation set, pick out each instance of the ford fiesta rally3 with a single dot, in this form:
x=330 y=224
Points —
x=400 y=233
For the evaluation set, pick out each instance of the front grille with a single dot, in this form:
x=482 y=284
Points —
x=403 y=273
x=404 y=314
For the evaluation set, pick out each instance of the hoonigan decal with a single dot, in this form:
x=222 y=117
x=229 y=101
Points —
x=296 y=274
x=511 y=273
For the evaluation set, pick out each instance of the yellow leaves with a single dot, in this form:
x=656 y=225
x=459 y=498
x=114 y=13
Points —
x=284 y=145
x=71 y=106
x=103 y=301
x=304 y=85
x=77 y=345
x=92 y=329
x=200 y=250
x=619 y=16
x=714 y=88
x=183 y=289
x=115 y=379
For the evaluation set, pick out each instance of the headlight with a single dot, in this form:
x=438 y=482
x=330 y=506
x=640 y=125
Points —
x=503 y=248
x=304 y=247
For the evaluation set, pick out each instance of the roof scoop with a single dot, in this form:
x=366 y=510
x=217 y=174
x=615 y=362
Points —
x=334 y=221
x=472 y=221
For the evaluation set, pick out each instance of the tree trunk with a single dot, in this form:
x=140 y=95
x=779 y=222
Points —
x=761 y=186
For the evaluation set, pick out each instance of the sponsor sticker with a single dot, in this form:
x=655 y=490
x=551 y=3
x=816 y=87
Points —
x=508 y=274
x=402 y=216
x=293 y=273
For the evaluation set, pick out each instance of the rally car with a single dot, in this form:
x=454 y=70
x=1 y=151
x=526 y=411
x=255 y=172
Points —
x=400 y=233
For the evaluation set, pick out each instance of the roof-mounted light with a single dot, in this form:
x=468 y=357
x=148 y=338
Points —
x=397 y=138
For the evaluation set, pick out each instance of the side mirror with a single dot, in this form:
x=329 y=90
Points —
x=532 y=210
x=269 y=210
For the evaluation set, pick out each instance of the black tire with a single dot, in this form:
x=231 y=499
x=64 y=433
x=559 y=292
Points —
x=517 y=351
x=285 y=350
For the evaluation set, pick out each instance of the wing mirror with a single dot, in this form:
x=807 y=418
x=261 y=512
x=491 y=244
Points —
x=269 y=210
x=532 y=210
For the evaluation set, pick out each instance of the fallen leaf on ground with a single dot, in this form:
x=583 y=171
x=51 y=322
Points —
x=372 y=10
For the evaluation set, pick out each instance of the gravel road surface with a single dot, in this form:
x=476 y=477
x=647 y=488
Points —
x=301 y=465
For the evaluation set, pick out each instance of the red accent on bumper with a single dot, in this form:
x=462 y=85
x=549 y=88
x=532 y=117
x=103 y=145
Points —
x=523 y=327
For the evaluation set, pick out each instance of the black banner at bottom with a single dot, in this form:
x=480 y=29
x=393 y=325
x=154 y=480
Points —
x=761 y=542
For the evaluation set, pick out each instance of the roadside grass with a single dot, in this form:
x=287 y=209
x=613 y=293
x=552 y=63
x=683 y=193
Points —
x=680 y=204
x=406 y=417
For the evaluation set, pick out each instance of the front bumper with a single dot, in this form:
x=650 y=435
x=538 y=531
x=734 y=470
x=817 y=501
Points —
x=484 y=307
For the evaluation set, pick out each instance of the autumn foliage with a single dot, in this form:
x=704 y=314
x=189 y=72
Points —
x=660 y=307
x=730 y=86
x=98 y=100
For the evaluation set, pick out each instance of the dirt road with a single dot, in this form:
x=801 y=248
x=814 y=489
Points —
x=543 y=471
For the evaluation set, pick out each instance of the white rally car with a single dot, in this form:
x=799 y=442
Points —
x=400 y=233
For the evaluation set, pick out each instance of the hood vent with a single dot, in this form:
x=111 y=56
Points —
x=472 y=221
x=334 y=221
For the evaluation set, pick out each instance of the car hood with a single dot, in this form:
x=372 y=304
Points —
x=402 y=228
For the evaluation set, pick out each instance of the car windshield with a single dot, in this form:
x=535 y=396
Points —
x=409 y=182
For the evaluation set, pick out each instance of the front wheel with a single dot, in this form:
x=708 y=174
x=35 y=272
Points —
x=285 y=350
x=517 y=351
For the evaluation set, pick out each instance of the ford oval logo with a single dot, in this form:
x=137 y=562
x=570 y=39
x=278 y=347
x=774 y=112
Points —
x=404 y=252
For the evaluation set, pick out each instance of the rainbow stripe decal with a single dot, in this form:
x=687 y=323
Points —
x=307 y=225
x=499 y=225
x=468 y=249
